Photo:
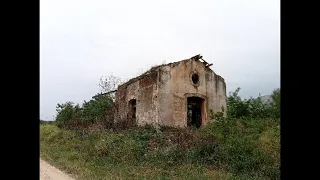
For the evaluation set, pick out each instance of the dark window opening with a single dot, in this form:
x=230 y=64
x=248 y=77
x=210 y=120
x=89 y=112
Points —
x=194 y=111
x=132 y=110
x=195 y=78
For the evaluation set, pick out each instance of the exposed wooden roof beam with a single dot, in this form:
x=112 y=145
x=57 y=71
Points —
x=208 y=65
x=198 y=57
x=105 y=93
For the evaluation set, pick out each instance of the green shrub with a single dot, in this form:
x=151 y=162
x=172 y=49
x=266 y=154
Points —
x=253 y=107
x=100 y=108
x=65 y=113
x=248 y=146
x=243 y=145
x=96 y=107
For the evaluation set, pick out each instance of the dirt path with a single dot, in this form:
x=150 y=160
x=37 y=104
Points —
x=48 y=172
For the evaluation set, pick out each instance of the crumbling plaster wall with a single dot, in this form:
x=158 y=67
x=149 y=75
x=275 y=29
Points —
x=175 y=85
x=144 y=91
x=162 y=94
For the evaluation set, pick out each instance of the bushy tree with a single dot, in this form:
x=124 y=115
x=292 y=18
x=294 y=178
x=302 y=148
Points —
x=236 y=107
x=253 y=107
x=97 y=107
x=65 y=113
x=275 y=103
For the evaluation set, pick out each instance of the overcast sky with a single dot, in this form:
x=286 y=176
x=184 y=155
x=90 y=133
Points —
x=82 y=40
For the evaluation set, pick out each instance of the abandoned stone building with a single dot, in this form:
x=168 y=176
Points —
x=178 y=94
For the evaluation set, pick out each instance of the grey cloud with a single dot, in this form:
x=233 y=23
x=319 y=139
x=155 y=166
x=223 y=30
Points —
x=83 y=40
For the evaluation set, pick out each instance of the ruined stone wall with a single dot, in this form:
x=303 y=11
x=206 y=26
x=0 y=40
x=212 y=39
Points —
x=165 y=97
x=221 y=93
x=144 y=90
x=175 y=85
x=217 y=86
x=161 y=95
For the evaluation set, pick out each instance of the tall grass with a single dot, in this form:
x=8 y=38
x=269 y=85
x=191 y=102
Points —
x=239 y=149
x=241 y=146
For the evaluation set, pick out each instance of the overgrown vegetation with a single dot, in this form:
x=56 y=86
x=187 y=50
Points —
x=99 y=110
x=46 y=122
x=243 y=145
x=253 y=107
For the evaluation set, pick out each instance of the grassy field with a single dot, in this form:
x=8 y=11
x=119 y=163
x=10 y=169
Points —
x=243 y=148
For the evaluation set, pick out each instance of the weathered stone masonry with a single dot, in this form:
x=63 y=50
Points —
x=166 y=93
